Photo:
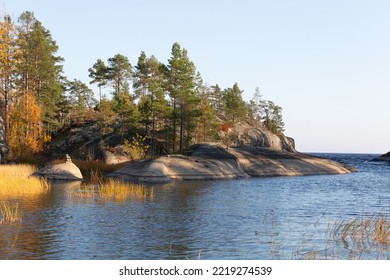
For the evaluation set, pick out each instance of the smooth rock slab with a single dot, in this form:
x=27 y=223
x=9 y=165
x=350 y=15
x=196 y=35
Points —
x=62 y=171
x=209 y=162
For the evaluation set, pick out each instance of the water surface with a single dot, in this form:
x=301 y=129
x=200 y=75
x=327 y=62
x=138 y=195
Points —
x=259 y=218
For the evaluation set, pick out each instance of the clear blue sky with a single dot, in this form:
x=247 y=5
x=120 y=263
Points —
x=327 y=63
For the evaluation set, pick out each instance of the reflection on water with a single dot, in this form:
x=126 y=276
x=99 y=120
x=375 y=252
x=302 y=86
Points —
x=272 y=218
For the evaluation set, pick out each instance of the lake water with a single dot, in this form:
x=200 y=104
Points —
x=261 y=218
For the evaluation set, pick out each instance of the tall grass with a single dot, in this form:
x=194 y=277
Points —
x=16 y=180
x=121 y=191
x=114 y=190
x=364 y=232
x=10 y=214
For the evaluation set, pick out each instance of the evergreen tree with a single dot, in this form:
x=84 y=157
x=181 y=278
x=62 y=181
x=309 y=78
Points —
x=81 y=100
x=216 y=99
x=181 y=88
x=271 y=116
x=126 y=112
x=39 y=69
x=251 y=109
x=106 y=115
x=207 y=123
x=8 y=53
x=235 y=109
x=149 y=80
x=255 y=106
x=119 y=73
x=98 y=73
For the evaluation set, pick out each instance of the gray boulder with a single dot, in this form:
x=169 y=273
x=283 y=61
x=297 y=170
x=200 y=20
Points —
x=62 y=171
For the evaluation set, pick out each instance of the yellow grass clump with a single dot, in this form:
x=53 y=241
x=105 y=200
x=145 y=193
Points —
x=10 y=214
x=16 y=180
x=115 y=190
x=120 y=191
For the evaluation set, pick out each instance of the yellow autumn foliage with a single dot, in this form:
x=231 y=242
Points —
x=137 y=148
x=25 y=136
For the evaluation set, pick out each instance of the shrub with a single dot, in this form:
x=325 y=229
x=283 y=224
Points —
x=137 y=148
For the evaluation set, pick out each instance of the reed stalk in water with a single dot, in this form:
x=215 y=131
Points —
x=10 y=214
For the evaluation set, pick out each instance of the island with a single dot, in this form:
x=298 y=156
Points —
x=212 y=162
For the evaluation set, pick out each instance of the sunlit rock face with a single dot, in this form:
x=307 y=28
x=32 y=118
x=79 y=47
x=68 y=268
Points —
x=212 y=162
x=63 y=171
x=249 y=135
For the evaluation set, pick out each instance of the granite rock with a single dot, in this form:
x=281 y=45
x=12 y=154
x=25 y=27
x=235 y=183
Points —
x=211 y=162
x=62 y=171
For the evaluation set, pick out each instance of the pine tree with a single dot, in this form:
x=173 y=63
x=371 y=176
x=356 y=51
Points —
x=216 y=98
x=255 y=106
x=271 y=116
x=181 y=88
x=98 y=73
x=8 y=53
x=80 y=99
x=149 y=80
x=207 y=124
x=235 y=109
x=40 y=70
x=106 y=115
x=126 y=111
x=119 y=72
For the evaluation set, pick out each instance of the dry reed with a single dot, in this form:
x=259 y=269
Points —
x=10 y=214
x=114 y=190
x=16 y=180
x=94 y=170
x=363 y=232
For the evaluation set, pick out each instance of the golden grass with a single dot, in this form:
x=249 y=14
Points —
x=114 y=190
x=15 y=180
x=10 y=214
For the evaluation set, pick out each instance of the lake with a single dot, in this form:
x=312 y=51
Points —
x=259 y=218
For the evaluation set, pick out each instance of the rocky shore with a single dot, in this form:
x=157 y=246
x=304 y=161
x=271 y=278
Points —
x=212 y=162
x=383 y=158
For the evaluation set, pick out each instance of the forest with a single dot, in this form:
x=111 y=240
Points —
x=165 y=102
